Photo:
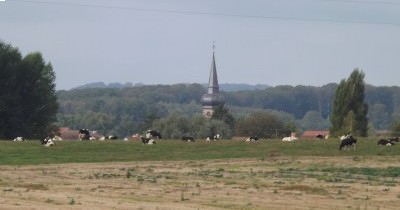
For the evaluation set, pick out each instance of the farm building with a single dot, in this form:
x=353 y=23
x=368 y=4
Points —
x=314 y=134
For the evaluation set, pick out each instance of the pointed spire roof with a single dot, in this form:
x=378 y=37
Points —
x=212 y=97
x=213 y=86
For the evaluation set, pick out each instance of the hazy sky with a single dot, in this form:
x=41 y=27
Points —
x=285 y=42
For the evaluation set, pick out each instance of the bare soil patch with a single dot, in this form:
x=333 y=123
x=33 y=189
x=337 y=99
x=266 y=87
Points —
x=271 y=183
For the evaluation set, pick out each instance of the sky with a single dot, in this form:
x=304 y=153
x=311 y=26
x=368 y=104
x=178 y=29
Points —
x=285 y=42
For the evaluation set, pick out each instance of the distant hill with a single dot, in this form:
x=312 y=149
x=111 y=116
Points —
x=232 y=87
x=227 y=87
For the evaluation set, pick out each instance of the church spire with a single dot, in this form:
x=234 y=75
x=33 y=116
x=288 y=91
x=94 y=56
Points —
x=213 y=86
x=212 y=98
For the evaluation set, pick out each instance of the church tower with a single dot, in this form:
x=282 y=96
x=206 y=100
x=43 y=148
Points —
x=212 y=98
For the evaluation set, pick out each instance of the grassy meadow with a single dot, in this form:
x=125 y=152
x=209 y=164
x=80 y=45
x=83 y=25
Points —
x=227 y=174
x=31 y=152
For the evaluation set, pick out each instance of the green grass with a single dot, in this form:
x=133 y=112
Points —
x=31 y=152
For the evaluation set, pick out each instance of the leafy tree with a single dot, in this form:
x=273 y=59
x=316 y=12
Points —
x=10 y=60
x=379 y=116
x=175 y=125
x=349 y=112
x=395 y=128
x=313 y=120
x=262 y=124
x=28 y=104
x=222 y=113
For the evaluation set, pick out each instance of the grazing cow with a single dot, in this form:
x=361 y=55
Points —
x=349 y=141
x=153 y=134
x=146 y=140
x=19 y=138
x=48 y=142
x=320 y=136
x=84 y=134
x=252 y=138
x=187 y=138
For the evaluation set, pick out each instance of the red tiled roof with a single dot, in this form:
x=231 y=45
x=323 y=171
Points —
x=314 y=133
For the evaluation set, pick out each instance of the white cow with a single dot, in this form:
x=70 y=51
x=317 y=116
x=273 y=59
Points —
x=290 y=138
x=57 y=138
x=19 y=138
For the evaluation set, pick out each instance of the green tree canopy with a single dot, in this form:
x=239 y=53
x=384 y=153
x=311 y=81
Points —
x=28 y=104
x=221 y=112
x=264 y=125
x=349 y=111
x=176 y=125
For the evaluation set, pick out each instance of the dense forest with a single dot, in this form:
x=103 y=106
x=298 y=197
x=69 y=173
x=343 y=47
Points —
x=129 y=110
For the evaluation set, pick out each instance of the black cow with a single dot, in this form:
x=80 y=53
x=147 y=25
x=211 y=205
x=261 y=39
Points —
x=187 y=138
x=84 y=134
x=320 y=136
x=153 y=133
x=348 y=142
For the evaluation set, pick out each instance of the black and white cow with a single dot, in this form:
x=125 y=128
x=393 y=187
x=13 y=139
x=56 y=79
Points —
x=252 y=139
x=385 y=142
x=213 y=137
x=48 y=142
x=347 y=142
x=111 y=137
x=388 y=142
x=153 y=134
x=84 y=134
x=187 y=138
x=146 y=140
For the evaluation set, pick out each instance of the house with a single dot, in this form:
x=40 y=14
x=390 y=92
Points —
x=311 y=134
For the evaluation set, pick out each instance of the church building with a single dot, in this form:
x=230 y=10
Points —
x=212 y=98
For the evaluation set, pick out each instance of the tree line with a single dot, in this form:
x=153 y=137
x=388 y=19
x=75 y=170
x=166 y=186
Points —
x=134 y=109
x=29 y=105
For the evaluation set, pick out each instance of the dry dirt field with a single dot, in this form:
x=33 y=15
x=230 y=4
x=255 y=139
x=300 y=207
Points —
x=272 y=183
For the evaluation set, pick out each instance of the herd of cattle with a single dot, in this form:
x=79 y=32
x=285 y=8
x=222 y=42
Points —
x=150 y=137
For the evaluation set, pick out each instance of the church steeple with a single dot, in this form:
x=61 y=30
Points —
x=213 y=86
x=212 y=98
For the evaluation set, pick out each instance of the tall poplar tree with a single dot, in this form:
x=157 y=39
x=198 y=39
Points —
x=349 y=111
x=28 y=104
